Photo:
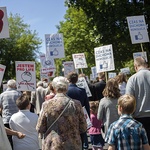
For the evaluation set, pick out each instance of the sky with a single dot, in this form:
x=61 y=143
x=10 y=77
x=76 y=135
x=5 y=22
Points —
x=41 y=15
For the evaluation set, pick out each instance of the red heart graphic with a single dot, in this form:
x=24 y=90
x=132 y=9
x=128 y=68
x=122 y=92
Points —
x=1 y=21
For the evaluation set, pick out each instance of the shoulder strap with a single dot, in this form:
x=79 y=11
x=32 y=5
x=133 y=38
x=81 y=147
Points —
x=56 y=119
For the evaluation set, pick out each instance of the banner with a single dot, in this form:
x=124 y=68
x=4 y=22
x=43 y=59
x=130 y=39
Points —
x=25 y=76
x=125 y=70
x=140 y=54
x=47 y=65
x=83 y=84
x=4 y=28
x=94 y=72
x=138 y=29
x=111 y=74
x=104 y=58
x=79 y=60
x=54 y=45
x=68 y=67
x=2 y=71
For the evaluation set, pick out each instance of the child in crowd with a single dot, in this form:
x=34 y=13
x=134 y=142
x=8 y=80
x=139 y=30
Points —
x=95 y=131
x=126 y=133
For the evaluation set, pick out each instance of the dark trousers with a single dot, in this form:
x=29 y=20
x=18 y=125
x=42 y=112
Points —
x=146 y=124
x=9 y=136
x=84 y=139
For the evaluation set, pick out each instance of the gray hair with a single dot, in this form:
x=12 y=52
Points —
x=11 y=83
x=60 y=84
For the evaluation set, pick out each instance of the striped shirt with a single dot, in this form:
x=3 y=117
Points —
x=126 y=134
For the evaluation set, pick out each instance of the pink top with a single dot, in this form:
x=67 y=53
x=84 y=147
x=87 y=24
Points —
x=96 y=128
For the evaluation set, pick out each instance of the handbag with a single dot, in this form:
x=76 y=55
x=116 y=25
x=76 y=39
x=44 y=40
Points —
x=47 y=131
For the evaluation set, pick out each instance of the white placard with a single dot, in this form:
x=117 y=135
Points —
x=140 y=54
x=138 y=29
x=94 y=72
x=25 y=75
x=68 y=67
x=44 y=76
x=125 y=70
x=83 y=84
x=48 y=65
x=88 y=121
x=2 y=71
x=4 y=28
x=104 y=58
x=54 y=45
x=79 y=60
x=111 y=74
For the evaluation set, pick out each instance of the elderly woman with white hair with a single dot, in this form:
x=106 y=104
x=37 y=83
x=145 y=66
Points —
x=62 y=120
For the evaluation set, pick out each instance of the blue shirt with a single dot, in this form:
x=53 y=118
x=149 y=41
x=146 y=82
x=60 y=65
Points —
x=126 y=134
x=8 y=103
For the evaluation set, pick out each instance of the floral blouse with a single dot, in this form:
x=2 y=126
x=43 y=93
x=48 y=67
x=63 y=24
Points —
x=65 y=133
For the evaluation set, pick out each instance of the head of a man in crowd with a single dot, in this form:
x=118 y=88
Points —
x=72 y=77
x=11 y=84
x=139 y=63
x=101 y=76
x=23 y=102
x=40 y=83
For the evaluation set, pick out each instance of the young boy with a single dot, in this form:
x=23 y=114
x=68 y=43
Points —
x=126 y=133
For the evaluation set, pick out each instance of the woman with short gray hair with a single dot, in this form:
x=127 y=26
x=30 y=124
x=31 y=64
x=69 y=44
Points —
x=62 y=120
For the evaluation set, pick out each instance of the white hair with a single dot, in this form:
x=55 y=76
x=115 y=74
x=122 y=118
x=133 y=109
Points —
x=60 y=84
x=11 y=83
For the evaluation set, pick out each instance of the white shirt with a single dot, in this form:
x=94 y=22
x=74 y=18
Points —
x=4 y=143
x=25 y=122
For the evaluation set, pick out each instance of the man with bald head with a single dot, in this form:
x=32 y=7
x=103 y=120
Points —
x=138 y=85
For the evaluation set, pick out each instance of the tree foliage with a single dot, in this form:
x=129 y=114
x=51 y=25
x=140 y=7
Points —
x=22 y=45
x=107 y=19
x=78 y=37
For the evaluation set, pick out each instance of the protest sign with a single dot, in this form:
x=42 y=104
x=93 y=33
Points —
x=4 y=28
x=44 y=75
x=104 y=58
x=54 y=45
x=88 y=121
x=79 y=60
x=138 y=29
x=94 y=72
x=48 y=65
x=125 y=70
x=83 y=84
x=68 y=67
x=25 y=75
x=140 y=54
x=2 y=71
x=111 y=74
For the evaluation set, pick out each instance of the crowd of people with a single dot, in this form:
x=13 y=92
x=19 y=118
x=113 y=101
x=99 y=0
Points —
x=119 y=111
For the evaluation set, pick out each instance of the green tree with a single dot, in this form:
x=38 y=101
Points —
x=23 y=45
x=78 y=37
x=108 y=17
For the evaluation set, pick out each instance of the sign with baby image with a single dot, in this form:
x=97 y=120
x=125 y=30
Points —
x=104 y=58
x=54 y=45
x=68 y=67
x=138 y=29
x=79 y=61
x=25 y=75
